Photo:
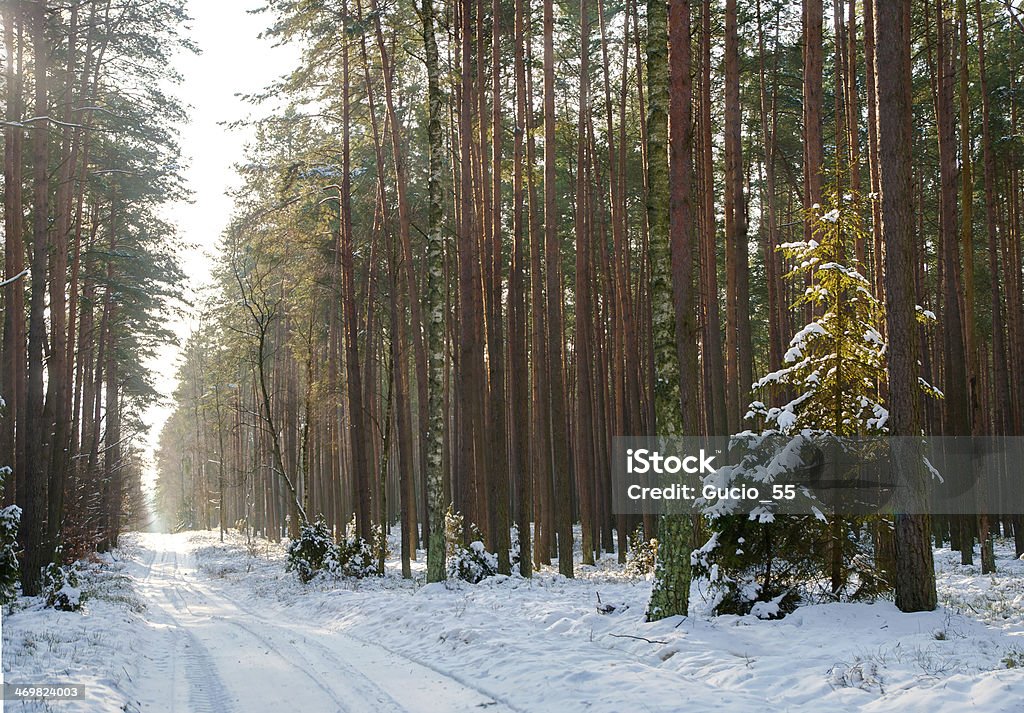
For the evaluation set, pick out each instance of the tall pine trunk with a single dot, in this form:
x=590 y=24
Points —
x=34 y=501
x=561 y=477
x=915 y=569
x=14 y=374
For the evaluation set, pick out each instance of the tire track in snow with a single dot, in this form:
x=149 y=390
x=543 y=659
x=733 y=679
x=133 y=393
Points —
x=180 y=675
x=330 y=667
x=160 y=663
x=316 y=674
x=491 y=699
x=228 y=656
x=225 y=665
x=206 y=691
x=378 y=652
x=202 y=600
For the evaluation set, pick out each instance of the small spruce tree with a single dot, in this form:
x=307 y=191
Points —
x=830 y=389
x=836 y=362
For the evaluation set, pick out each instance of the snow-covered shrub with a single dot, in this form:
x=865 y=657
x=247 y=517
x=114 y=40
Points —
x=742 y=584
x=315 y=552
x=61 y=587
x=354 y=557
x=642 y=554
x=515 y=548
x=10 y=518
x=452 y=530
x=743 y=563
x=472 y=564
x=312 y=551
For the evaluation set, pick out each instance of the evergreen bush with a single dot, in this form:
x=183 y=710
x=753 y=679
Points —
x=642 y=554
x=10 y=573
x=472 y=564
x=308 y=555
x=61 y=587
x=355 y=557
x=315 y=552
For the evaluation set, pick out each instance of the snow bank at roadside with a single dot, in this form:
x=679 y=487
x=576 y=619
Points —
x=96 y=647
x=542 y=644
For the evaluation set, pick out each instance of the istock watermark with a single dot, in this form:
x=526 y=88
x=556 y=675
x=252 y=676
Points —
x=819 y=473
x=644 y=460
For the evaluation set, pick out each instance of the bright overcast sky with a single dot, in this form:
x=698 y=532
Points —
x=233 y=60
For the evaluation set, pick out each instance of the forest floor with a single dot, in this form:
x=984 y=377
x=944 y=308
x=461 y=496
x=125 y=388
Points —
x=186 y=623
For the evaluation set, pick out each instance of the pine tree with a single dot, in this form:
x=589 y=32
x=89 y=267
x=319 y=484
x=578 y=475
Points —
x=915 y=567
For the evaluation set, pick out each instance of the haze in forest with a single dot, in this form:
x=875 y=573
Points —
x=233 y=61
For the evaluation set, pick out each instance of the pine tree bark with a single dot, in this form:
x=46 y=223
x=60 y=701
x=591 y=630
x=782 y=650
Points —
x=873 y=160
x=14 y=373
x=716 y=409
x=915 y=570
x=497 y=416
x=584 y=353
x=561 y=476
x=814 y=160
x=773 y=273
x=33 y=502
x=353 y=371
x=58 y=386
x=739 y=354
x=540 y=451
x=112 y=465
x=470 y=382
x=518 y=371
x=974 y=387
x=1002 y=407
x=956 y=415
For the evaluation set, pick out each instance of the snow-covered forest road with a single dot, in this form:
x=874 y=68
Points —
x=219 y=656
x=185 y=623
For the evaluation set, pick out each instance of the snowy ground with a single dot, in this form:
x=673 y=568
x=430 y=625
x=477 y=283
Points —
x=185 y=623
